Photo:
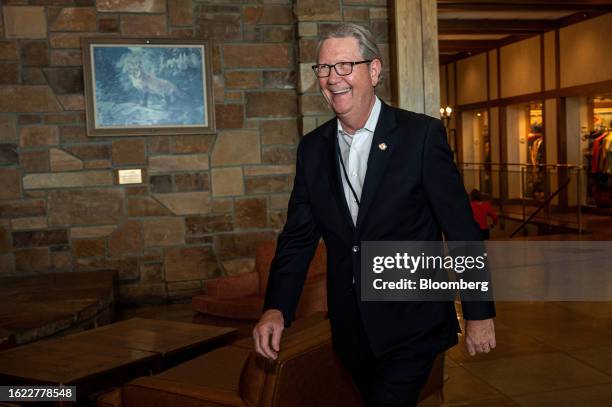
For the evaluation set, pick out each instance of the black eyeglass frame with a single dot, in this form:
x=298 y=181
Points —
x=353 y=63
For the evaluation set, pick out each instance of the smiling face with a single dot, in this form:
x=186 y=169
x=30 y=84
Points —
x=351 y=97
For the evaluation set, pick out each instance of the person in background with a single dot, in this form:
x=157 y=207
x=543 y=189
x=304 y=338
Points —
x=482 y=210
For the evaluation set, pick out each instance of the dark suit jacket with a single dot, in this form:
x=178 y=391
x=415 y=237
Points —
x=412 y=191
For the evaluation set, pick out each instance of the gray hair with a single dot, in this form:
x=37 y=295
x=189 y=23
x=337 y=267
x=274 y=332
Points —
x=367 y=44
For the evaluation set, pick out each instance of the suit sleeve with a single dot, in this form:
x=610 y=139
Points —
x=450 y=204
x=295 y=249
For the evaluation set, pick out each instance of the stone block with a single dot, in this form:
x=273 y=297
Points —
x=36 y=136
x=89 y=248
x=141 y=207
x=380 y=29
x=243 y=79
x=24 y=22
x=268 y=14
x=257 y=170
x=251 y=213
x=378 y=13
x=23 y=209
x=192 y=182
x=91 y=231
x=34 y=53
x=108 y=24
x=72 y=134
x=278 y=155
x=132 y=6
x=35 y=161
x=65 y=80
x=68 y=179
x=140 y=294
x=9 y=73
x=126 y=239
x=61 y=118
x=238 y=266
x=236 y=245
x=170 y=163
x=229 y=116
x=279 y=79
x=8 y=154
x=90 y=151
x=186 y=203
x=223 y=25
x=356 y=14
x=227 y=181
x=143 y=25
x=236 y=147
x=151 y=272
x=190 y=263
x=271 y=104
x=36 y=238
x=161 y=183
x=317 y=10
x=308 y=81
x=27 y=98
x=72 y=102
x=61 y=261
x=180 y=12
x=277 y=34
x=128 y=152
x=257 y=56
x=8 y=51
x=127 y=269
x=35 y=259
x=222 y=205
x=201 y=225
x=85 y=207
x=75 y=19
x=278 y=219
x=267 y=184
x=65 y=57
x=308 y=50
x=163 y=232
x=193 y=144
x=32 y=76
x=5 y=240
x=62 y=161
x=307 y=29
x=280 y=201
x=314 y=105
x=8 y=128
x=29 y=223
x=11 y=183
x=279 y=132
x=159 y=144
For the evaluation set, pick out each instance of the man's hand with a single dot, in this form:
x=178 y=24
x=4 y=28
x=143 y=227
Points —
x=267 y=333
x=479 y=336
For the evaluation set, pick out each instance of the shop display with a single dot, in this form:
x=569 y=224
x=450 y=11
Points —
x=599 y=154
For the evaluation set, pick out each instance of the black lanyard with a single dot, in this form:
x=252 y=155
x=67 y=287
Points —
x=345 y=174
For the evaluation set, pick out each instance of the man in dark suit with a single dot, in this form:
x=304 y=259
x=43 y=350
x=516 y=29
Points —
x=372 y=173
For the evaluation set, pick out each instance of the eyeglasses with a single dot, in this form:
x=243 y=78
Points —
x=341 y=68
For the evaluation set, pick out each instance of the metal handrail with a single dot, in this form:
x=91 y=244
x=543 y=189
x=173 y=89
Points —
x=540 y=207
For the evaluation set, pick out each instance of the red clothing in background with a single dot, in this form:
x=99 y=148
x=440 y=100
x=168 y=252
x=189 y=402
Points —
x=481 y=210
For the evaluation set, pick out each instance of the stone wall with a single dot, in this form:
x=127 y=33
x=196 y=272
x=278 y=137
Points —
x=205 y=201
x=314 y=17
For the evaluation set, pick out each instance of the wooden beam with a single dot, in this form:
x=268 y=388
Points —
x=487 y=26
x=473 y=46
x=515 y=5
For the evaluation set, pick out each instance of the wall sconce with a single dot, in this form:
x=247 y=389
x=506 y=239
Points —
x=445 y=115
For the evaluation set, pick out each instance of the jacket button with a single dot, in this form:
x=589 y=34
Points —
x=355 y=249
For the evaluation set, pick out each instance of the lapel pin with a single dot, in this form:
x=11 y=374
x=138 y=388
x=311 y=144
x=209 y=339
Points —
x=382 y=146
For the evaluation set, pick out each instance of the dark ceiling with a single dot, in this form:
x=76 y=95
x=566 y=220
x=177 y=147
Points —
x=467 y=27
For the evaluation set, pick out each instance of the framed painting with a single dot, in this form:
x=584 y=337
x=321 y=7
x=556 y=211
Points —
x=142 y=86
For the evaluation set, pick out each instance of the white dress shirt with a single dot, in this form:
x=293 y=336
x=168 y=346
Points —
x=355 y=151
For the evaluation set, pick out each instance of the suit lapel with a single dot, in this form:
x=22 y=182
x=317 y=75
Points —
x=380 y=152
x=333 y=172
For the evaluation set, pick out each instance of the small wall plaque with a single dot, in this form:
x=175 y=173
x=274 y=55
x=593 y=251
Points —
x=130 y=176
